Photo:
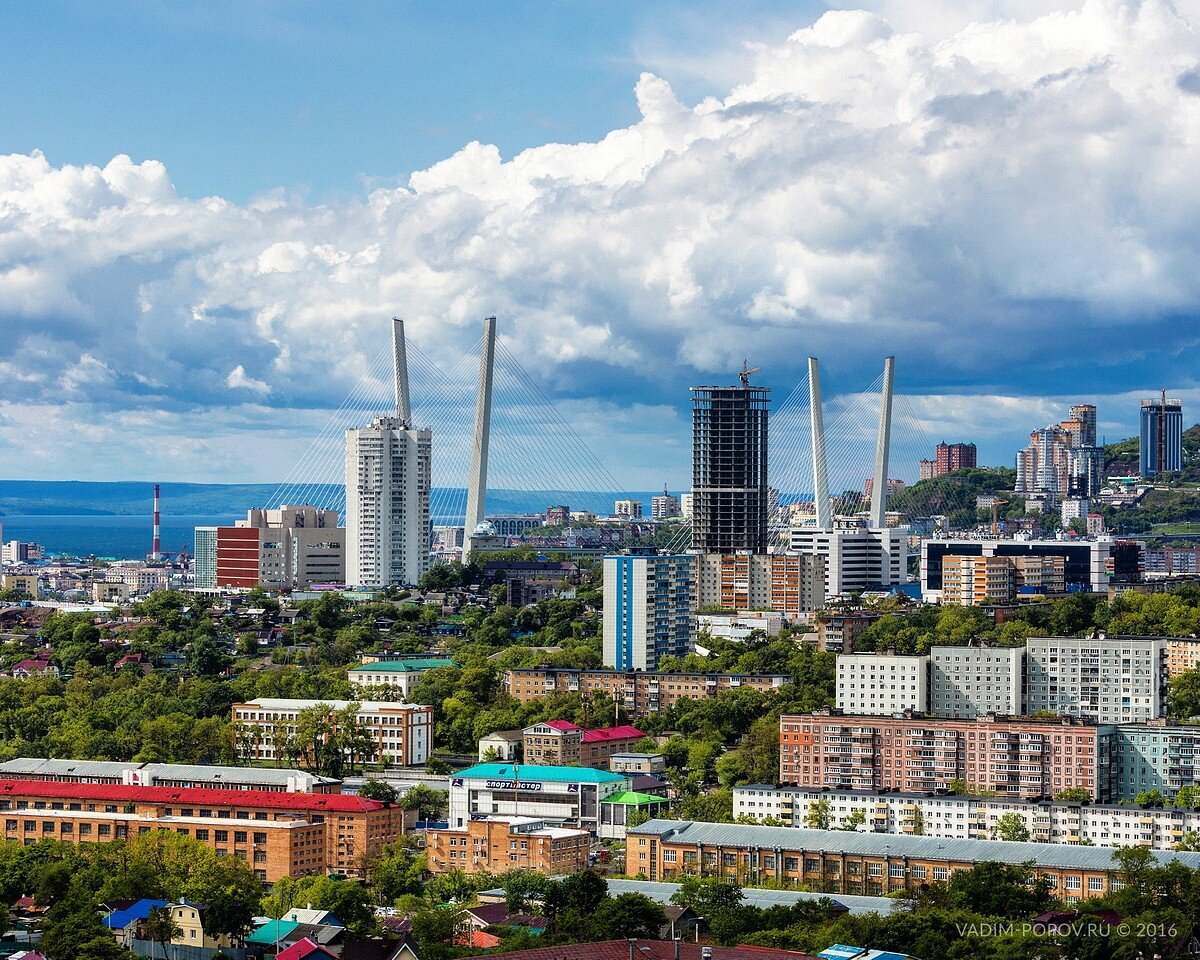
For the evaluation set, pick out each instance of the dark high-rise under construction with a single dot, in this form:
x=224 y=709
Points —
x=729 y=468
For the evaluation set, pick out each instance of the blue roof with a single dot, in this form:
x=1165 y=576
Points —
x=120 y=919
x=840 y=951
x=532 y=771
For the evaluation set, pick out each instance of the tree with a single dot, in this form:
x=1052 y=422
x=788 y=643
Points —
x=434 y=929
x=1150 y=798
x=583 y=891
x=707 y=895
x=630 y=915
x=854 y=820
x=160 y=927
x=818 y=814
x=378 y=790
x=1000 y=890
x=1011 y=827
x=397 y=872
x=430 y=804
x=1074 y=795
x=522 y=889
x=1183 y=697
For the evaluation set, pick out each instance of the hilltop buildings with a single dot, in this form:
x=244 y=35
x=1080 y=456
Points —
x=1063 y=459
x=1160 y=447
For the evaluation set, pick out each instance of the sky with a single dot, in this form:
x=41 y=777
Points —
x=209 y=211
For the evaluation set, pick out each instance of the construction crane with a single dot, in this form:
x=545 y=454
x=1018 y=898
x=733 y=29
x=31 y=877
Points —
x=995 y=515
x=746 y=371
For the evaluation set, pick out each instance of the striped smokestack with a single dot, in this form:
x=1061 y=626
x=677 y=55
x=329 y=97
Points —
x=156 y=549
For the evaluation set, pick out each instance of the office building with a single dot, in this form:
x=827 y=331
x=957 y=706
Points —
x=880 y=684
x=649 y=609
x=629 y=509
x=397 y=677
x=1088 y=566
x=559 y=795
x=278 y=834
x=856 y=556
x=970 y=682
x=729 y=468
x=978 y=580
x=1015 y=757
x=402 y=732
x=1160 y=448
x=637 y=693
x=289 y=548
x=135 y=774
x=788 y=584
x=388 y=478
x=496 y=845
x=1104 y=679
x=839 y=861
x=957 y=817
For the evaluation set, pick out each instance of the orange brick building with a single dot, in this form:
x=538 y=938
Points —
x=636 y=692
x=1016 y=757
x=278 y=834
x=498 y=844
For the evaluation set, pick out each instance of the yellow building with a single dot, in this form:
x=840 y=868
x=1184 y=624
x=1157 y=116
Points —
x=189 y=917
x=25 y=584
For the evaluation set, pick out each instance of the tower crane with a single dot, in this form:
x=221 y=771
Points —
x=746 y=372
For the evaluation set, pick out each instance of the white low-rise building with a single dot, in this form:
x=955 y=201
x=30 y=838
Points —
x=879 y=684
x=739 y=626
x=397 y=676
x=403 y=732
x=965 y=818
x=568 y=796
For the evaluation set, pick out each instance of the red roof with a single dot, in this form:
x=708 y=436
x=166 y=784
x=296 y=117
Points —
x=565 y=726
x=648 y=950
x=484 y=941
x=193 y=796
x=623 y=732
x=304 y=948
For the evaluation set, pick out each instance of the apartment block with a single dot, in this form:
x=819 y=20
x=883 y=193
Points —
x=1105 y=679
x=836 y=632
x=856 y=557
x=403 y=732
x=967 y=818
x=839 y=861
x=1183 y=654
x=499 y=844
x=277 y=834
x=787 y=584
x=979 y=581
x=555 y=743
x=1156 y=756
x=1015 y=757
x=649 y=609
x=880 y=684
x=637 y=693
x=970 y=682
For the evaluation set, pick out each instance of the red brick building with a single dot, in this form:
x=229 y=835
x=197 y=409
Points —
x=1016 y=757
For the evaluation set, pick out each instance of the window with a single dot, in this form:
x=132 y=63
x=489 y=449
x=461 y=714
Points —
x=941 y=873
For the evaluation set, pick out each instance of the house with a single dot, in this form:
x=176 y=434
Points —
x=501 y=746
x=650 y=950
x=311 y=916
x=477 y=939
x=377 y=948
x=305 y=949
x=127 y=916
x=485 y=915
x=33 y=668
x=189 y=917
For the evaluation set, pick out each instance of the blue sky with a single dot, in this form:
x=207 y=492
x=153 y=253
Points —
x=208 y=212
x=240 y=97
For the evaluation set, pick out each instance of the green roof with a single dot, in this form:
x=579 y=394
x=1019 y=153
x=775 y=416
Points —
x=532 y=771
x=271 y=931
x=632 y=798
x=404 y=666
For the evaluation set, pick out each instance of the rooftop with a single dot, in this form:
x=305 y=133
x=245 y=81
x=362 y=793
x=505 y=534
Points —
x=1054 y=855
x=631 y=798
x=408 y=665
x=648 y=950
x=364 y=706
x=623 y=732
x=38 y=767
x=120 y=793
x=535 y=772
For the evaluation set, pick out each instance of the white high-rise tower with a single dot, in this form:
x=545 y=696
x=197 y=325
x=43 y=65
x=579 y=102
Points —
x=388 y=480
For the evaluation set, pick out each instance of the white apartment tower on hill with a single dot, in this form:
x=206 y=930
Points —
x=388 y=478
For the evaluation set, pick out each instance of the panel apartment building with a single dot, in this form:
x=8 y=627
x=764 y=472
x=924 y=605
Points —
x=637 y=693
x=649 y=609
x=1105 y=679
x=785 y=583
x=1014 y=757
x=403 y=732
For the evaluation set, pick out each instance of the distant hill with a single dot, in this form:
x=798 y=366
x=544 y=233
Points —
x=952 y=494
x=127 y=498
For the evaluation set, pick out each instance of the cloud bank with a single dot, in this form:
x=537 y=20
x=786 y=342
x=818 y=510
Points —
x=997 y=206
